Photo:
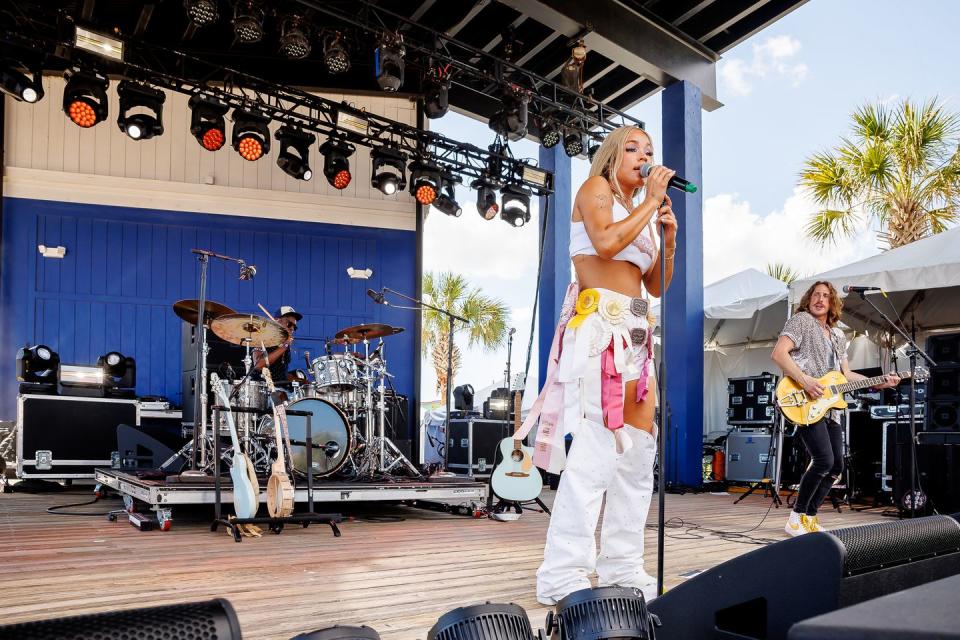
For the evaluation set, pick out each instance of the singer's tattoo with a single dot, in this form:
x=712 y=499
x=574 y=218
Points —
x=601 y=200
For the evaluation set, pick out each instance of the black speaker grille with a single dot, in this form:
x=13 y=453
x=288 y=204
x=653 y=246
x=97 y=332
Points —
x=211 y=620
x=604 y=612
x=483 y=622
x=872 y=546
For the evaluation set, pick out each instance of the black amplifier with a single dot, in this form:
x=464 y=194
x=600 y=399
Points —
x=751 y=399
x=64 y=437
x=473 y=444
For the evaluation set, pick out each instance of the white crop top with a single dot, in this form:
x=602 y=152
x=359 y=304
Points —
x=640 y=252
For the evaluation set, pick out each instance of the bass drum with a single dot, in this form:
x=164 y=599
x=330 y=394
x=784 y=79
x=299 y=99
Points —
x=331 y=434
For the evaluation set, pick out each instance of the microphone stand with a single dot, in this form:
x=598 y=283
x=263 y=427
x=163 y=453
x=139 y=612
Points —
x=451 y=318
x=913 y=352
x=664 y=417
x=200 y=383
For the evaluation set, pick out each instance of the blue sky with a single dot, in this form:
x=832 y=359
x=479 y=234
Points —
x=788 y=92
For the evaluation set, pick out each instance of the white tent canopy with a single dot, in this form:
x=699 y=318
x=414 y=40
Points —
x=921 y=280
x=743 y=315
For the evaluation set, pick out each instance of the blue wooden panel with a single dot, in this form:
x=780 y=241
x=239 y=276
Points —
x=124 y=268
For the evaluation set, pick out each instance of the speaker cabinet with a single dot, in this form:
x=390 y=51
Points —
x=944 y=348
x=763 y=593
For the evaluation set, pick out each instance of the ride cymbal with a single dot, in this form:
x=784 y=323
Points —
x=368 y=332
x=186 y=310
x=249 y=328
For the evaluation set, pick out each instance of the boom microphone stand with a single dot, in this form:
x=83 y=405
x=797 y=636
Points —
x=913 y=352
x=451 y=318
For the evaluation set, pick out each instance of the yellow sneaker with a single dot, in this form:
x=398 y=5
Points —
x=812 y=523
x=794 y=526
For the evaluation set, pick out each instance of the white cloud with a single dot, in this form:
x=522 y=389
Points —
x=735 y=238
x=774 y=56
x=478 y=248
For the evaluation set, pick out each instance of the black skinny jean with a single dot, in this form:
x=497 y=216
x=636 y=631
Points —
x=824 y=443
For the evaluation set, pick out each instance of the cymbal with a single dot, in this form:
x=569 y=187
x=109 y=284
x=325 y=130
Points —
x=368 y=331
x=187 y=310
x=343 y=342
x=249 y=328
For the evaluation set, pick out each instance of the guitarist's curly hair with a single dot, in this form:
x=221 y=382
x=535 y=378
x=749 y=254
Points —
x=836 y=302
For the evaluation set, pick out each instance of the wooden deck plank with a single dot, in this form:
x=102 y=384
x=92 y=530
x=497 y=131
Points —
x=396 y=576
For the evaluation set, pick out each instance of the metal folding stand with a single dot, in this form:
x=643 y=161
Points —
x=274 y=524
x=773 y=451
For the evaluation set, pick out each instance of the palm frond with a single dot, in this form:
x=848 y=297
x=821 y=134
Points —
x=782 y=272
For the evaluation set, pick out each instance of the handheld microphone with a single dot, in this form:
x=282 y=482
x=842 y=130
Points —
x=852 y=289
x=513 y=330
x=376 y=296
x=676 y=181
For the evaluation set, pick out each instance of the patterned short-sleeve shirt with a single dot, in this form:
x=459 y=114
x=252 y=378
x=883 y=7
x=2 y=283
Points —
x=813 y=352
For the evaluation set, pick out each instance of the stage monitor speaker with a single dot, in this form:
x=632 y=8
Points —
x=942 y=415
x=926 y=612
x=944 y=348
x=210 y=620
x=944 y=382
x=763 y=593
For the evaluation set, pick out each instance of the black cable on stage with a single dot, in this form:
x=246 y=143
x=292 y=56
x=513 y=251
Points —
x=56 y=510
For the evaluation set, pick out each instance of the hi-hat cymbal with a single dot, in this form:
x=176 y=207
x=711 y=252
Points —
x=187 y=310
x=249 y=328
x=368 y=331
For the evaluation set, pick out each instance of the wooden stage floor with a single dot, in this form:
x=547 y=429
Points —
x=395 y=568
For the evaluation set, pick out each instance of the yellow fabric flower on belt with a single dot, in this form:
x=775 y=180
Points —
x=587 y=303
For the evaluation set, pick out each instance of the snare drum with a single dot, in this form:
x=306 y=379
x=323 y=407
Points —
x=249 y=394
x=336 y=372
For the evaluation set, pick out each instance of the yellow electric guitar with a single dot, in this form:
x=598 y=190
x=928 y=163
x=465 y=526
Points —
x=800 y=408
x=280 y=492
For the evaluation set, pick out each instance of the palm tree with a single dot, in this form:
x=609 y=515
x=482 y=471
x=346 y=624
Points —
x=487 y=318
x=901 y=168
x=782 y=272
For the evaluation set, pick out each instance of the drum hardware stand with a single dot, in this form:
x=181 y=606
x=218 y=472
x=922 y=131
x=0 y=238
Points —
x=274 y=524
x=913 y=351
x=451 y=318
x=200 y=384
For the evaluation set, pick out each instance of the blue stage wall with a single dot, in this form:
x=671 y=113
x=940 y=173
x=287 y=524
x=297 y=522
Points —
x=124 y=268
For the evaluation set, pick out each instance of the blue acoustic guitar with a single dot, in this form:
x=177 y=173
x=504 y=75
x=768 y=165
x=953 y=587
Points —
x=515 y=478
x=246 y=489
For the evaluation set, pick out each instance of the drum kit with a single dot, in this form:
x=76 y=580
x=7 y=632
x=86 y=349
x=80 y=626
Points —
x=345 y=392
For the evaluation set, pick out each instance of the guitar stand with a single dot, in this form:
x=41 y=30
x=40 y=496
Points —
x=273 y=524
x=505 y=505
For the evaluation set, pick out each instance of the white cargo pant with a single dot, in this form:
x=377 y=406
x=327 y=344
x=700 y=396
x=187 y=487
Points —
x=594 y=468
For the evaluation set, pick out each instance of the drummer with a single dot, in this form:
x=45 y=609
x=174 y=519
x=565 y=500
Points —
x=278 y=358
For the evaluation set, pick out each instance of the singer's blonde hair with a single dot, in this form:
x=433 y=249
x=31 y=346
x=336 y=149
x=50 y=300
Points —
x=609 y=157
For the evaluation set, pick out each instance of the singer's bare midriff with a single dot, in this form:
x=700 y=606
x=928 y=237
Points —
x=616 y=275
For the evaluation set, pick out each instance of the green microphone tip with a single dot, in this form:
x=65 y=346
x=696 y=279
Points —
x=690 y=188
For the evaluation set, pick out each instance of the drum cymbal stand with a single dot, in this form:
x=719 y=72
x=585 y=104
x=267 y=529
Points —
x=385 y=442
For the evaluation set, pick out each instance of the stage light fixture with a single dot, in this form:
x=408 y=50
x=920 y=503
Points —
x=389 y=175
x=251 y=135
x=207 y=123
x=295 y=37
x=336 y=164
x=483 y=622
x=388 y=63
x=201 y=12
x=335 y=54
x=601 y=612
x=436 y=94
x=147 y=122
x=573 y=143
x=248 y=21
x=445 y=200
x=98 y=44
x=515 y=204
x=293 y=155
x=511 y=119
x=37 y=364
x=487 y=205
x=550 y=135
x=424 y=181
x=571 y=75
x=85 y=97
x=119 y=371
x=19 y=85
x=592 y=149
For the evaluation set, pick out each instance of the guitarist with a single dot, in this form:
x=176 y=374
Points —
x=810 y=346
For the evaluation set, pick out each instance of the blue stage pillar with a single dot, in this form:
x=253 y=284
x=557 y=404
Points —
x=555 y=275
x=683 y=317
